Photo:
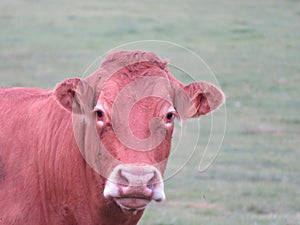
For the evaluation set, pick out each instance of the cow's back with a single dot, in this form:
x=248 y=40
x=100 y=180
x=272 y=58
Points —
x=21 y=109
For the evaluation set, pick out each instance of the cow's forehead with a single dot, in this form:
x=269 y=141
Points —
x=132 y=60
x=131 y=87
x=122 y=69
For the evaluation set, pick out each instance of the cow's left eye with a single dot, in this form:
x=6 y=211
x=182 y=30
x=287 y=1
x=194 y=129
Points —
x=170 y=116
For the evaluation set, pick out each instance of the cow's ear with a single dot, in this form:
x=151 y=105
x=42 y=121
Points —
x=75 y=95
x=199 y=99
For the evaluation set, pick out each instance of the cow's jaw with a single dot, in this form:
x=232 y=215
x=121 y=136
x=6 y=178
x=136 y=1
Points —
x=134 y=187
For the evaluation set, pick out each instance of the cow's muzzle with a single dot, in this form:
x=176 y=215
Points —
x=134 y=187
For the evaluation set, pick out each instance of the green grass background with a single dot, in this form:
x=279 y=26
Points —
x=253 y=47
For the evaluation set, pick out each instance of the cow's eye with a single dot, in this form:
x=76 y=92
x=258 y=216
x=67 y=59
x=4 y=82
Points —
x=170 y=116
x=99 y=113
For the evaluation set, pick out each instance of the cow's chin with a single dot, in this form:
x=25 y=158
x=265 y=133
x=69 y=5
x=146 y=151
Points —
x=132 y=204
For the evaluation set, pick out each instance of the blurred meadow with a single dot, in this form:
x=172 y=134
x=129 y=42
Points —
x=253 y=47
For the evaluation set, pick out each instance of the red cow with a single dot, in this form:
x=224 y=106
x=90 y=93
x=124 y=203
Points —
x=94 y=150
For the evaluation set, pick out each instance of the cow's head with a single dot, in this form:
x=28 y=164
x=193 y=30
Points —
x=127 y=110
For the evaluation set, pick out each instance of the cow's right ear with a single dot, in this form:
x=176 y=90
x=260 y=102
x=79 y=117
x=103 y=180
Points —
x=75 y=95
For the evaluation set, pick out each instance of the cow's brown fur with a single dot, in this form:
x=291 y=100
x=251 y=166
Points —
x=44 y=178
x=47 y=179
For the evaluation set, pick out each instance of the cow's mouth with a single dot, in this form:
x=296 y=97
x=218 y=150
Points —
x=132 y=204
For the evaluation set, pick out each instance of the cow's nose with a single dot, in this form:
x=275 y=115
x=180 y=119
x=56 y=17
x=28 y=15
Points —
x=135 y=182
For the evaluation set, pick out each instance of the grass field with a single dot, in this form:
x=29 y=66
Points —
x=253 y=47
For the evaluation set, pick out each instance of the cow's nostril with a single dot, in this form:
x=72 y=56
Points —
x=150 y=186
x=123 y=180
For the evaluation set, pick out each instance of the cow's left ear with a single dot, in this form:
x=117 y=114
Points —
x=202 y=98
x=75 y=95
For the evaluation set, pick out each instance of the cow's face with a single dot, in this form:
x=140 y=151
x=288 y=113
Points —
x=135 y=125
x=133 y=113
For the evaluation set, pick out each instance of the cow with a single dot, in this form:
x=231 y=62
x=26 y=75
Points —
x=93 y=151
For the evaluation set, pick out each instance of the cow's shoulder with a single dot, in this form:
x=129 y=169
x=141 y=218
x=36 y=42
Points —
x=24 y=107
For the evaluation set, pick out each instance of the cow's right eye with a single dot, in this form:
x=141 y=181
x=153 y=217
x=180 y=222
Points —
x=99 y=113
